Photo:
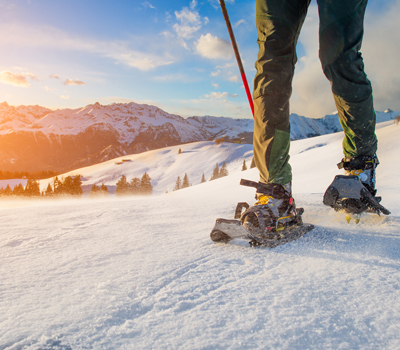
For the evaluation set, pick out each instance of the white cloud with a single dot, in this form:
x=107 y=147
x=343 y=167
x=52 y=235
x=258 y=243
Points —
x=217 y=95
x=216 y=86
x=238 y=23
x=175 y=77
x=190 y=22
x=234 y=78
x=381 y=52
x=146 y=4
x=213 y=47
x=50 y=37
x=219 y=107
x=74 y=82
x=54 y=76
x=312 y=94
x=14 y=79
x=216 y=73
x=65 y=97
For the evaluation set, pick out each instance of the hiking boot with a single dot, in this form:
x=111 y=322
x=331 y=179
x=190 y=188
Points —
x=364 y=168
x=354 y=192
x=274 y=211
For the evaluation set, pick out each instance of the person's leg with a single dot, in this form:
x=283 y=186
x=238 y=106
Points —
x=341 y=34
x=278 y=25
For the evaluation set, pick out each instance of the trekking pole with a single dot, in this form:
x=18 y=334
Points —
x=236 y=50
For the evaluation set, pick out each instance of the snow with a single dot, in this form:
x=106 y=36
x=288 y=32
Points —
x=164 y=165
x=142 y=273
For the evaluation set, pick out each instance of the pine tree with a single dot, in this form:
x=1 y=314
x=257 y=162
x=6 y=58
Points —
x=122 y=186
x=185 y=182
x=178 y=184
x=135 y=186
x=253 y=163
x=145 y=185
x=203 y=178
x=67 y=186
x=76 y=186
x=49 y=191
x=18 y=190
x=104 y=189
x=215 y=174
x=58 y=186
x=94 y=191
x=180 y=151
x=244 y=166
x=32 y=188
x=224 y=170
x=8 y=191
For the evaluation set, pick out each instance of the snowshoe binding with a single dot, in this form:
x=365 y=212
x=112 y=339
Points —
x=354 y=193
x=272 y=221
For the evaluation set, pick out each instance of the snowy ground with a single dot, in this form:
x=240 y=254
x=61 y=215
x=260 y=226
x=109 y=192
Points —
x=142 y=273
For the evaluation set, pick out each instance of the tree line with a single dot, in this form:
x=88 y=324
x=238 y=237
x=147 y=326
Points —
x=36 y=175
x=71 y=186
x=136 y=186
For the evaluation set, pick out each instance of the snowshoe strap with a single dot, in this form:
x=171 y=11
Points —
x=239 y=209
x=274 y=190
x=260 y=216
x=361 y=162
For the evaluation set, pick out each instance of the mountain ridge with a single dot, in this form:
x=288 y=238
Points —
x=36 y=138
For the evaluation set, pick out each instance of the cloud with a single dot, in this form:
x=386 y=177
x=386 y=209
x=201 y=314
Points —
x=234 y=78
x=175 y=77
x=74 y=82
x=312 y=94
x=56 y=39
x=32 y=76
x=146 y=4
x=54 y=76
x=381 y=53
x=203 y=106
x=190 y=22
x=216 y=73
x=10 y=78
x=65 y=97
x=213 y=47
x=216 y=4
x=238 y=23
x=219 y=95
x=216 y=86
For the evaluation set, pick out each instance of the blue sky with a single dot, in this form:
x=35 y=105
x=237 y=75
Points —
x=173 y=54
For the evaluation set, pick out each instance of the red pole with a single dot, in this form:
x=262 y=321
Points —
x=236 y=50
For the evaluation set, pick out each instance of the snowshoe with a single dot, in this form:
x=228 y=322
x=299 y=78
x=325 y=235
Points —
x=272 y=221
x=354 y=193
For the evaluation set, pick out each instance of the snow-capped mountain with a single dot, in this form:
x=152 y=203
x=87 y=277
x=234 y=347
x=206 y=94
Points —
x=36 y=138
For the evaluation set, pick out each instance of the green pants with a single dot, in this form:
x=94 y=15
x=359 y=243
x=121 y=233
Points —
x=341 y=31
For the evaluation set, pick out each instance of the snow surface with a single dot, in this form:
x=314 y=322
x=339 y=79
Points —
x=164 y=165
x=142 y=273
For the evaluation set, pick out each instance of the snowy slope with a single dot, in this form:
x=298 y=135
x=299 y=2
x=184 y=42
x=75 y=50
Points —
x=142 y=273
x=164 y=165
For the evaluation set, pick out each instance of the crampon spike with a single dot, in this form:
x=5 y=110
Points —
x=348 y=219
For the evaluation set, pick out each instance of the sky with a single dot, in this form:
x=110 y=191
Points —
x=172 y=54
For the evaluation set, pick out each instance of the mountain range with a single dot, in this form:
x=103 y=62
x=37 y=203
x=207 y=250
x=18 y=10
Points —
x=34 y=138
